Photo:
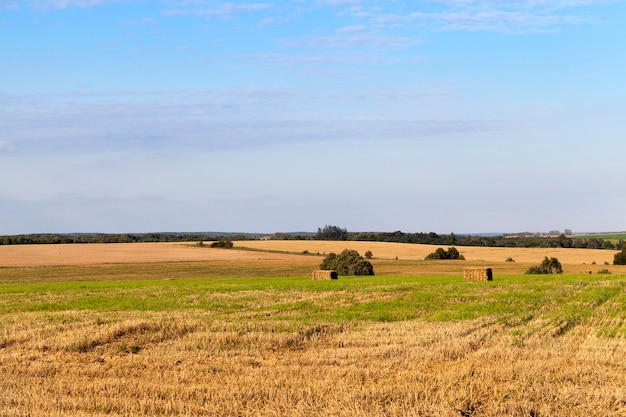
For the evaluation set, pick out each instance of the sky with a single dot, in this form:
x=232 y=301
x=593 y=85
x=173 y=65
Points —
x=442 y=116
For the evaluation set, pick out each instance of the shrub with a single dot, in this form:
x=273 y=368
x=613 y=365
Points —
x=509 y=259
x=547 y=266
x=604 y=271
x=348 y=262
x=440 y=253
x=368 y=254
x=225 y=244
x=620 y=257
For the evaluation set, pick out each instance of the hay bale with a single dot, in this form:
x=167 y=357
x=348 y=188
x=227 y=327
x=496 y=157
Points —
x=324 y=275
x=478 y=274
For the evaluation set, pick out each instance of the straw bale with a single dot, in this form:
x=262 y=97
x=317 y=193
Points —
x=478 y=274
x=324 y=275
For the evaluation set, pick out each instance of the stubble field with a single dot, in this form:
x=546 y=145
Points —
x=165 y=329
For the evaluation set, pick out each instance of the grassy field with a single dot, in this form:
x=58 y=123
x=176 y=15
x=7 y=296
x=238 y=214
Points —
x=613 y=237
x=247 y=333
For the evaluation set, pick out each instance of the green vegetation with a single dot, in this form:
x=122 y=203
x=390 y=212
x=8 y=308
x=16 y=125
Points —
x=348 y=262
x=222 y=243
x=613 y=237
x=559 y=298
x=331 y=233
x=547 y=266
x=451 y=253
x=608 y=241
x=620 y=258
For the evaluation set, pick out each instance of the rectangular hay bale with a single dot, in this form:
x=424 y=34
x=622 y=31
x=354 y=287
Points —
x=323 y=275
x=478 y=274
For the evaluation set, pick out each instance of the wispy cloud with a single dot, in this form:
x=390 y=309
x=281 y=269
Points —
x=6 y=146
x=354 y=36
x=138 y=22
x=212 y=9
x=235 y=119
x=477 y=15
x=65 y=4
x=324 y=59
x=227 y=10
x=496 y=21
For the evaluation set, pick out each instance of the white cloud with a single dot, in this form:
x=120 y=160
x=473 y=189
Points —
x=494 y=20
x=213 y=10
x=236 y=119
x=475 y=15
x=226 y=10
x=320 y=60
x=6 y=146
x=10 y=5
x=66 y=4
x=357 y=36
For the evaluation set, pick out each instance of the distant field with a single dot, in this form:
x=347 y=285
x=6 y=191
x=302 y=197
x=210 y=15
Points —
x=269 y=258
x=404 y=251
x=177 y=329
x=613 y=237
x=110 y=253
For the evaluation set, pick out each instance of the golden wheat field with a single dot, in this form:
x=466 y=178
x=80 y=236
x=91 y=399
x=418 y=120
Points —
x=162 y=329
x=574 y=260
x=404 y=251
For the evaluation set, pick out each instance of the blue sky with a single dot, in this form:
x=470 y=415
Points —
x=457 y=116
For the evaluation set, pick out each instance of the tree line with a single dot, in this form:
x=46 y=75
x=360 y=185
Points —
x=325 y=233
x=57 y=238
x=562 y=241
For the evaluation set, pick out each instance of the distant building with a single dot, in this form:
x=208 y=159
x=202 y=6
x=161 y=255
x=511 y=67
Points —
x=568 y=232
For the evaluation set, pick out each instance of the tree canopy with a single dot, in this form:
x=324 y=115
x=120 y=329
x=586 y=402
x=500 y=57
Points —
x=440 y=253
x=331 y=233
x=620 y=257
x=348 y=262
x=547 y=266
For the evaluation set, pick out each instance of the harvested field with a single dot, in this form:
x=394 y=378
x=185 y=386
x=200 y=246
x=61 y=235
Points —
x=282 y=258
x=404 y=251
x=105 y=253
x=359 y=346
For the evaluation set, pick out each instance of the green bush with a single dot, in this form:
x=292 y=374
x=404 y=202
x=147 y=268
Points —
x=547 y=266
x=620 y=257
x=225 y=244
x=348 y=262
x=451 y=253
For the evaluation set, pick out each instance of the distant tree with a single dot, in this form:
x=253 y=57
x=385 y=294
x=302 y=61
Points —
x=620 y=257
x=332 y=233
x=451 y=253
x=607 y=244
x=224 y=244
x=348 y=262
x=368 y=254
x=547 y=266
x=564 y=241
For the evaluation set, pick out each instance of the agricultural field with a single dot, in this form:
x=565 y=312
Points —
x=612 y=237
x=179 y=329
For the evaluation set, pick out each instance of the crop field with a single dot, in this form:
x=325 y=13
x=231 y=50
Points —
x=183 y=330
x=613 y=237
